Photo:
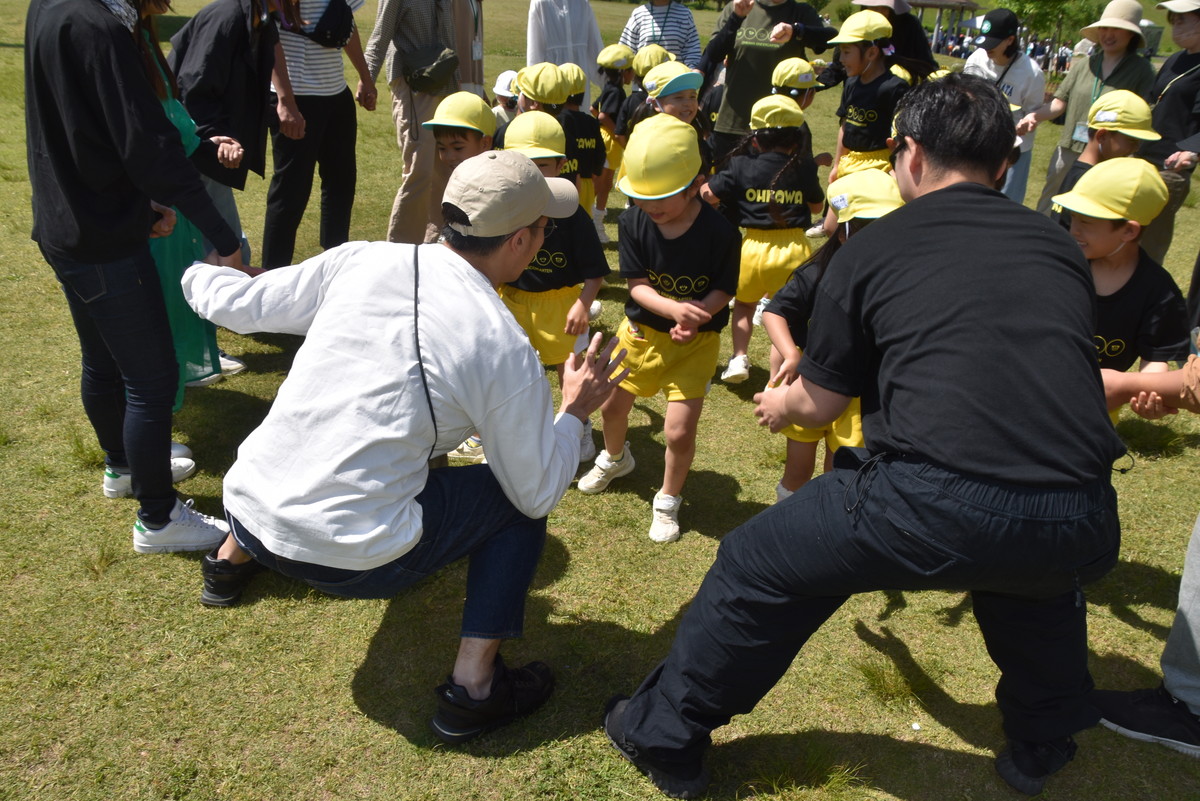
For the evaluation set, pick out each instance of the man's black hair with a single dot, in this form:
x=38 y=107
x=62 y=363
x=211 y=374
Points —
x=961 y=122
x=475 y=245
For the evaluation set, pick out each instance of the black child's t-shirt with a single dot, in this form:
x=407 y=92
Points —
x=1144 y=319
x=867 y=110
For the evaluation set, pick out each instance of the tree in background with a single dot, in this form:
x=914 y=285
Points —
x=1060 y=19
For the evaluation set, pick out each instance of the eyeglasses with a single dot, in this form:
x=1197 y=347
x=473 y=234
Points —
x=899 y=145
x=546 y=229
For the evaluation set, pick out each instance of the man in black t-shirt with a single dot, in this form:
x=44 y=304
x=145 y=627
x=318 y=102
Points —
x=965 y=484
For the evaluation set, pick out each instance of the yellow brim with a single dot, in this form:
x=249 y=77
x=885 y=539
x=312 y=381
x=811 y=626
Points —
x=1085 y=206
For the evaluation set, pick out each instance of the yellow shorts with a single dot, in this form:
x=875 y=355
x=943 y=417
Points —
x=587 y=193
x=613 y=152
x=659 y=364
x=768 y=258
x=846 y=430
x=859 y=160
x=543 y=315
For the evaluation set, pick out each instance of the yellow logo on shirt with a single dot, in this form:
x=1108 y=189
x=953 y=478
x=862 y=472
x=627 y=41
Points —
x=1109 y=348
x=547 y=262
x=677 y=288
x=859 y=116
x=775 y=195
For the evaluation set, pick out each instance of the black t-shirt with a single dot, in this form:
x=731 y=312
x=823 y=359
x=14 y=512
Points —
x=762 y=201
x=569 y=168
x=706 y=257
x=568 y=257
x=1074 y=173
x=636 y=98
x=867 y=110
x=794 y=301
x=589 y=148
x=710 y=105
x=1177 y=112
x=1144 y=319
x=611 y=98
x=964 y=321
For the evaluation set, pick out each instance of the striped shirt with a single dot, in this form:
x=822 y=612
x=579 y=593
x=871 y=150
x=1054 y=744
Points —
x=405 y=26
x=312 y=69
x=671 y=26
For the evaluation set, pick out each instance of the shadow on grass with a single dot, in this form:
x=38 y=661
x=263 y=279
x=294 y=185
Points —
x=1132 y=584
x=1150 y=440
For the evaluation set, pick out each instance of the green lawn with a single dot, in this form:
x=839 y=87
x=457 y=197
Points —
x=117 y=684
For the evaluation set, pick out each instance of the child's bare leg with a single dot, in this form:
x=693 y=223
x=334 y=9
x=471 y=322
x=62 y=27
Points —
x=800 y=464
x=680 y=430
x=830 y=222
x=742 y=327
x=615 y=413
x=603 y=183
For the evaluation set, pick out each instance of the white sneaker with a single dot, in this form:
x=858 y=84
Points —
x=188 y=530
x=180 y=451
x=737 y=371
x=471 y=450
x=208 y=380
x=816 y=232
x=594 y=310
x=587 y=445
x=781 y=493
x=665 y=527
x=758 y=311
x=119 y=484
x=230 y=365
x=605 y=470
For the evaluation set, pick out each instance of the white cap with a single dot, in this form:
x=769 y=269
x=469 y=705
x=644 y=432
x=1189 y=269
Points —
x=503 y=85
x=502 y=191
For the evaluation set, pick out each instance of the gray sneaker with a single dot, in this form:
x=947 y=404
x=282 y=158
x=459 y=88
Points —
x=605 y=470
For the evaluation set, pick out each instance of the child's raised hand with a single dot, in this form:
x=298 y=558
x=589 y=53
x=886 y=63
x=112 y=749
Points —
x=781 y=33
x=742 y=7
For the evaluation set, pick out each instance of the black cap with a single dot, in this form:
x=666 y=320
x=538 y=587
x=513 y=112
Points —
x=997 y=26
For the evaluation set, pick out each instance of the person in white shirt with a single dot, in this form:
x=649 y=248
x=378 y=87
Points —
x=334 y=487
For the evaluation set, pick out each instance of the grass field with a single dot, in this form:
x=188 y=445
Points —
x=117 y=684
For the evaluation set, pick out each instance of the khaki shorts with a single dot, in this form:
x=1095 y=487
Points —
x=658 y=364
x=769 y=256
x=543 y=315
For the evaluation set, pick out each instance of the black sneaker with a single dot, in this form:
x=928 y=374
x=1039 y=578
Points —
x=223 y=580
x=1026 y=765
x=515 y=692
x=1152 y=716
x=676 y=779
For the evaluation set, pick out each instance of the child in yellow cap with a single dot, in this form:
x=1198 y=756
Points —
x=615 y=70
x=771 y=182
x=1117 y=124
x=585 y=146
x=672 y=88
x=463 y=126
x=644 y=60
x=552 y=297
x=858 y=199
x=1139 y=309
x=680 y=258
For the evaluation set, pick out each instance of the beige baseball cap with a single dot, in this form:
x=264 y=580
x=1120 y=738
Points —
x=502 y=191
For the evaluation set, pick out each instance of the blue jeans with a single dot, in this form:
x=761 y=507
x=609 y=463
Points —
x=889 y=523
x=466 y=514
x=129 y=374
x=1017 y=179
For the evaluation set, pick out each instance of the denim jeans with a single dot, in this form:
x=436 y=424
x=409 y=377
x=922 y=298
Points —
x=1181 y=656
x=1017 y=180
x=129 y=374
x=889 y=523
x=466 y=514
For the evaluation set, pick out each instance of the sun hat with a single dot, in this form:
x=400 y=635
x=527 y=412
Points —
x=575 y=78
x=1125 y=112
x=502 y=191
x=542 y=83
x=1118 y=189
x=776 y=111
x=1180 y=6
x=899 y=6
x=997 y=26
x=1123 y=14
x=794 y=73
x=615 y=57
x=866 y=194
x=536 y=134
x=670 y=77
x=504 y=86
x=464 y=110
x=864 y=26
x=650 y=57
x=661 y=159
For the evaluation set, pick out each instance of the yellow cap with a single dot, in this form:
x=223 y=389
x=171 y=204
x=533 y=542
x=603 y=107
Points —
x=615 y=57
x=794 y=73
x=776 y=111
x=650 y=57
x=537 y=135
x=1122 y=111
x=661 y=159
x=1118 y=189
x=864 y=26
x=670 y=77
x=464 y=110
x=575 y=77
x=866 y=194
x=542 y=83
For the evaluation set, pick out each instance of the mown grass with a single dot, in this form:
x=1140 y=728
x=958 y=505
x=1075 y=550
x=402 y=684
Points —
x=117 y=684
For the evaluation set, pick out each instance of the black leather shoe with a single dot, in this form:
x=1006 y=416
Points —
x=223 y=580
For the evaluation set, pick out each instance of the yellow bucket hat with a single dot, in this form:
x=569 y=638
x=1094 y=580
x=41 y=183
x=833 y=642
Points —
x=615 y=57
x=542 y=83
x=537 y=135
x=776 y=111
x=1125 y=112
x=794 y=73
x=866 y=194
x=464 y=110
x=650 y=57
x=864 y=26
x=661 y=159
x=670 y=77
x=575 y=78
x=1118 y=189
